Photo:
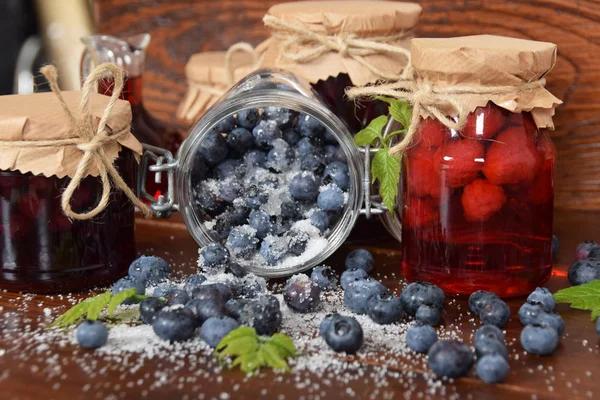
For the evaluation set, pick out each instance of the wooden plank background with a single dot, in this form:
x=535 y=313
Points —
x=180 y=28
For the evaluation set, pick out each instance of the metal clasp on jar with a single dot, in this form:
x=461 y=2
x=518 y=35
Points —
x=163 y=205
x=372 y=202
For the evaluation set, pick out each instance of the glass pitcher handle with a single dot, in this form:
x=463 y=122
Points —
x=163 y=160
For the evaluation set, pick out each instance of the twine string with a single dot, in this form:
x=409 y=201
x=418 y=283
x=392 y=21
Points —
x=244 y=47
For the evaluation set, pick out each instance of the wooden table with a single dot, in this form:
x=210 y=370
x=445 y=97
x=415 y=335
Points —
x=64 y=371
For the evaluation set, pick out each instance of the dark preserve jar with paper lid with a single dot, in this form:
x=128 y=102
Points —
x=41 y=249
x=478 y=202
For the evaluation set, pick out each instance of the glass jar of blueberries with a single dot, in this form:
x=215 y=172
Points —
x=270 y=172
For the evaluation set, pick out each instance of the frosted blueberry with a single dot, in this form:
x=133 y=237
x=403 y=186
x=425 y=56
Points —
x=265 y=132
x=420 y=338
x=304 y=187
x=337 y=172
x=248 y=117
x=91 y=334
x=539 y=340
x=324 y=277
x=360 y=258
x=214 y=329
x=450 y=358
x=320 y=220
x=149 y=269
x=492 y=369
x=331 y=199
x=261 y=222
x=352 y=275
x=213 y=148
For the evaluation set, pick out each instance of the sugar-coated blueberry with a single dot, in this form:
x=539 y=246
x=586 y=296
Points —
x=308 y=146
x=543 y=298
x=418 y=293
x=301 y=294
x=149 y=269
x=492 y=369
x=360 y=258
x=280 y=157
x=149 y=308
x=240 y=214
x=199 y=169
x=304 y=187
x=324 y=277
x=420 y=337
x=331 y=199
x=262 y=313
x=480 y=299
x=539 y=340
x=384 y=308
x=583 y=249
x=313 y=163
x=284 y=117
x=584 y=271
x=164 y=290
x=490 y=346
x=91 y=334
x=528 y=313
x=213 y=148
x=273 y=249
x=219 y=291
x=248 y=117
x=225 y=125
x=291 y=136
x=334 y=153
x=129 y=283
x=265 y=132
x=488 y=332
x=337 y=172
x=297 y=241
x=175 y=325
x=320 y=220
x=358 y=292
x=192 y=282
x=255 y=158
x=308 y=126
x=428 y=315
x=326 y=323
x=214 y=329
x=255 y=197
x=236 y=270
x=343 y=334
x=214 y=255
x=205 y=308
x=206 y=198
x=229 y=190
x=230 y=168
x=496 y=312
x=450 y=358
x=261 y=222
x=178 y=297
x=352 y=275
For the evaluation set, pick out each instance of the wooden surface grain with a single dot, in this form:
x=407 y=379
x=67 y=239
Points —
x=61 y=370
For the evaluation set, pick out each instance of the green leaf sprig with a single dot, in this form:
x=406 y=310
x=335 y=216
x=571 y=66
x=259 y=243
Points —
x=385 y=168
x=582 y=297
x=250 y=351
x=91 y=307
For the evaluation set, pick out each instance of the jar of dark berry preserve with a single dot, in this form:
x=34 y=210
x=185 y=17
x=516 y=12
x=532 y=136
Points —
x=270 y=172
x=41 y=249
x=478 y=203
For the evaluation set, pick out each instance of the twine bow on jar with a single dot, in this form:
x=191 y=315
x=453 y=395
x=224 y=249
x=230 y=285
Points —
x=89 y=140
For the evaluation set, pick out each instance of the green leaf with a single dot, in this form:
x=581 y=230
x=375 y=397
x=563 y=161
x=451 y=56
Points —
x=118 y=298
x=271 y=355
x=386 y=169
x=142 y=297
x=239 y=347
x=388 y=100
x=96 y=304
x=372 y=132
x=242 y=331
x=249 y=361
x=284 y=344
x=582 y=297
x=401 y=111
x=71 y=316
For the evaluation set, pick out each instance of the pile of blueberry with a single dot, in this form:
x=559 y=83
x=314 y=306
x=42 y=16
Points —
x=268 y=181
x=543 y=326
x=586 y=267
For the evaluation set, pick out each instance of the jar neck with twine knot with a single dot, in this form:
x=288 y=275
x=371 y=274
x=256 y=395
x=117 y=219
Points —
x=427 y=98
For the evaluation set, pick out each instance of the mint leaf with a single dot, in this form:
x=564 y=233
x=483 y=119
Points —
x=284 y=344
x=96 y=304
x=372 y=132
x=249 y=362
x=118 y=298
x=240 y=346
x=386 y=169
x=71 y=316
x=401 y=111
x=242 y=331
x=582 y=297
x=271 y=355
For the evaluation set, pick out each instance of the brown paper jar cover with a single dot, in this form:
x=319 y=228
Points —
x=363 y=19
x=489 y=61
x=208 y=80
x=40 y=116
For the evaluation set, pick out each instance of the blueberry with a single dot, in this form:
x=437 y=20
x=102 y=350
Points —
x=492 y=369
x=304 y=187
x=235 y=307
x=583 y=249
x=284 y=117
x=308 y=126
x=216 y=328
x=255 y=197
x=306 y=146
x=129 y=283
x=251 y=290
x=326 y=322
x=313 y=163
x=230 y=168
x=584 y=271
x=236 y=270
x=255 y=158
x=358 y=292
x=598 y=326
x=496 y=312
x=428 y=315
x=291 y=136
x=213 y=148
x=297 y=240
x=480 y=299
x=534 y=315
x=149 y=308
x=261 y=222
x=333 y=153
x=291 y=210
x=263 y=314
x=280 y=157
x=248 y=117
x=203 y=309
x=337 y=172
x=149 y=269
x=384 y=308
x=301 y=294
x=206 y=198
x=528 y=313
x=91 y=334
x=331 y=199
x=420 y=338
x=164 y=290
x=490 y=346
x=360 y=258
x=324 y=277
x=329 y=137
x=418 y=293
x=273 y=249
x=240 y=214
x=178 y=296
x=555 y=246
x=193 y=282
x=450 y=358
x=488 y=332
x=542 y=297
x=595 y=252
x=343 y=334
x=539 y=340
x=199 y=169
x=222 y=226
x=265 y=132
x=214 y=255
x=352 y=275
x=175 y=325
x=320 y=220
x=215 y=291
x=225 y=125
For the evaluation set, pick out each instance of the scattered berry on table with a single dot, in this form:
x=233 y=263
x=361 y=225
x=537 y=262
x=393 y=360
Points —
x=418 y=293
x=178 y=296
x=203 y=309
x=551 y=320
x=213 y=148
x=583 y=249
x=149 y=269
x=358 y=292
x=450 y=358
x=128 y=283
x=301 y=294
x=360 y=258
x=528 y=313
x=175 y=325
x=164 y=290
x=337 y=172
x=384 y=308
x=539 y=340
x=487 y=332
x=496 y=312
x=325 y=323
x=331 y=199
x=492 y=368
x=149 y=308
x=584 y=271
x=324 y=277
x=420 y=337
x=214 y=256
x=428 y=315
x=193 y=282
x=352 y=275
x=490 y=346
x=594 y=253
x=480 y=299
x=216 y=328
x=248 y=117
x=543 y=298
x=343 y=334
x=262 y=313
x=91 y=334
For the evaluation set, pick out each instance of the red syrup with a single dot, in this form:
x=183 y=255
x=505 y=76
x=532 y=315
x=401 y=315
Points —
x=42 y=251
x=479 y=205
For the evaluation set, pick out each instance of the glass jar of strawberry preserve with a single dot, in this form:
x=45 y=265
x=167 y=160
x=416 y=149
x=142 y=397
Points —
x=41 y=249
x=478 y=203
